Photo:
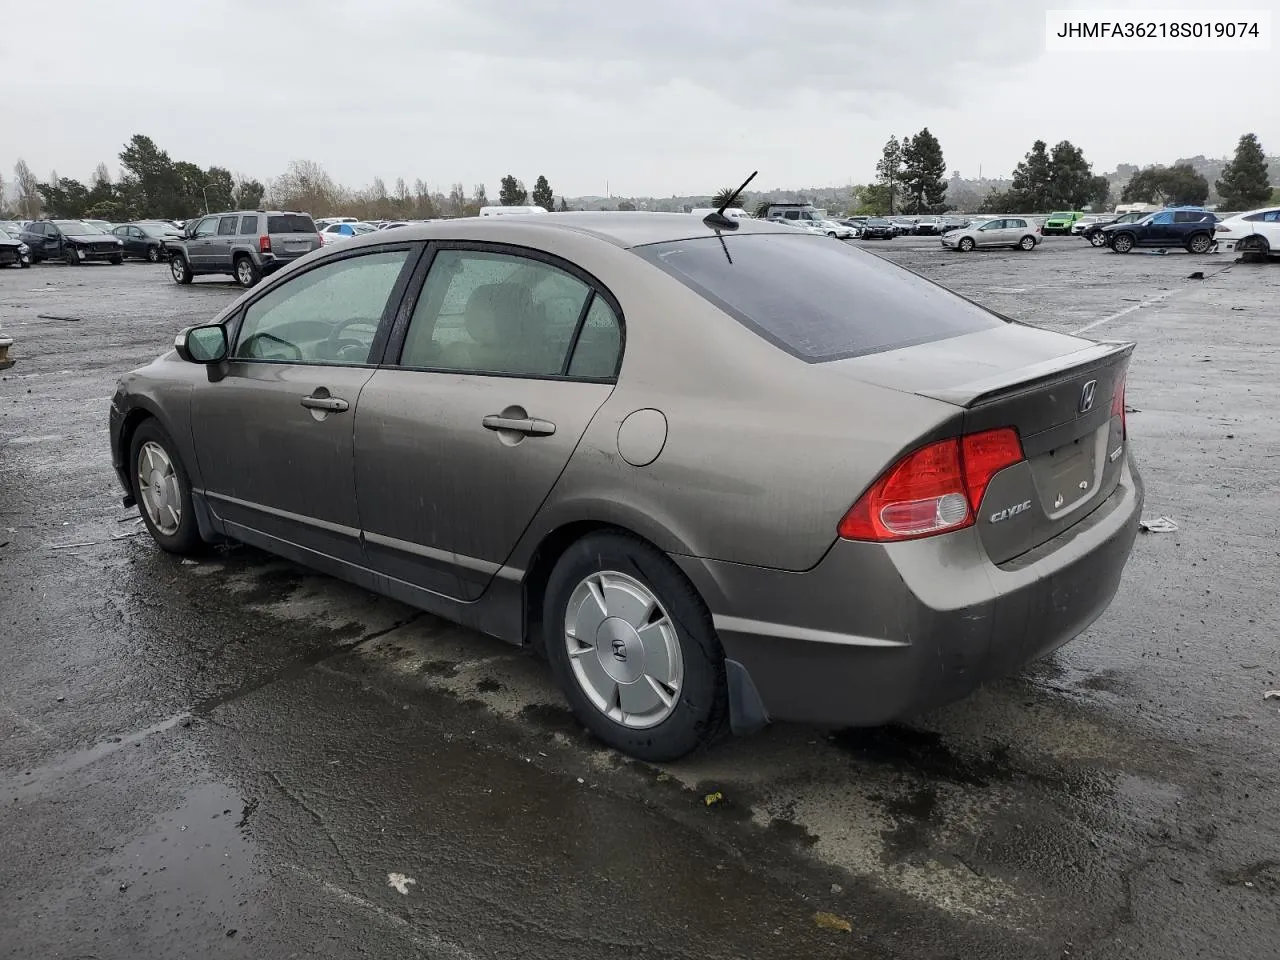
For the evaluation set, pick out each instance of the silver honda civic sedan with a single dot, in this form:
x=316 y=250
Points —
x=718 y=473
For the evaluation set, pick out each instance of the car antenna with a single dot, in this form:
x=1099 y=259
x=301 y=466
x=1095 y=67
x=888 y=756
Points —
x=718 y=219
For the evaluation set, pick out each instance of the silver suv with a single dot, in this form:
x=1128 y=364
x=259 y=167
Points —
x=248 y=245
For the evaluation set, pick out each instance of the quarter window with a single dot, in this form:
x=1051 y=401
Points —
x=596 y=353
x=483 y=312
x=329 y=314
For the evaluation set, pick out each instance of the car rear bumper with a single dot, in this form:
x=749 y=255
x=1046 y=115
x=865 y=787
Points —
x=875 y=633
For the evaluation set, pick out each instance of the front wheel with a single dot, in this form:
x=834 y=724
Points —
x=69 y=256
x=180 y=269
x=1097 y=239
x=1027 y=243
x=163 y=491
x=1122 y=243
x=1200 y=243
x=153 y=254
x=632 y=646
x=117 y=259
x=965 y=245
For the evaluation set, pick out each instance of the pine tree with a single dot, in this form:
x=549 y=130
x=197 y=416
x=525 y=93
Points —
x=564 y=206
x=1244 y=184
x=1071 y=183
x=513 y=193
x=1030 y=190
x=889 y=169
x=542 y=194
x=923 y=188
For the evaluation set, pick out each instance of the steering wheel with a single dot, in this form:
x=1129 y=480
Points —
x=248 y=348
x=335 y=344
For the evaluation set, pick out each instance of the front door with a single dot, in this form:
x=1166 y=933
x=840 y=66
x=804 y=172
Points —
x=199 y=243
x=459 y=442
x=1160 y=232
x=991 y=234
x=273 y=435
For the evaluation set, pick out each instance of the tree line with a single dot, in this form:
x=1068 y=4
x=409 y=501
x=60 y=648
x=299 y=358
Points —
x=151 y=184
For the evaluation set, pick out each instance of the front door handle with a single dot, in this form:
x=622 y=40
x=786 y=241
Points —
x=527 y=425
x=326 y=403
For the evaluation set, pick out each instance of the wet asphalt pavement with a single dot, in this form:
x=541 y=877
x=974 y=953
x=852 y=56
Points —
x=239 y=758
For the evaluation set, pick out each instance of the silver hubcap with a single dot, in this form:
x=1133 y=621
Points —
x=624 y=649
x=244 y=272
x=1200 y=244
x=178 y=268
x=158 y=488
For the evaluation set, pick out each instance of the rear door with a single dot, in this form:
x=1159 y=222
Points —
x=461 y=436
x=292 y=235
x=273 y=432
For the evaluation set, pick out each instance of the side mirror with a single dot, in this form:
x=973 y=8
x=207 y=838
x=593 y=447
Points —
x=204 y=345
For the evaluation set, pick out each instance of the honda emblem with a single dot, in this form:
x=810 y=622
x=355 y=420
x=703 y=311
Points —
x=1086 y=396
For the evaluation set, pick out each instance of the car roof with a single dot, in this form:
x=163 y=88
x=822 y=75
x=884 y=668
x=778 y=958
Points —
x=622 y=229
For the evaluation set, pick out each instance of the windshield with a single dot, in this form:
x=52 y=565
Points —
x=816 y=301
x=75 y=228
x=9 y=229
x=1060 y=215
x=364 y=227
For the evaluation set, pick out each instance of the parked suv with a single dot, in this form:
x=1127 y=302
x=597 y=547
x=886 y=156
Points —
x=1060 y=221
x=248 y=245
x=1190 y=227
x=1093 y=231
x=74 y=241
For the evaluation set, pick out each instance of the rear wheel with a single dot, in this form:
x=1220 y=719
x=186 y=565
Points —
x=965 y=245
x=163 y=492
x=180 y=269
x=153 y=254
x=1098 y=239
x=1200 y=243
x=1027 y=243
x=633 y=648
x=1122 y=243
x=245 y=272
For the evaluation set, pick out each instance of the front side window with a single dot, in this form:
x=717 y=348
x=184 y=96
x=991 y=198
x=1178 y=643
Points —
x=482 y=312
x=206 y=227
x=329 y=314
x=1162 y=218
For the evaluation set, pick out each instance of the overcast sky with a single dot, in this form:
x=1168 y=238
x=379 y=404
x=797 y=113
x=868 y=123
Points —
x=654 y=97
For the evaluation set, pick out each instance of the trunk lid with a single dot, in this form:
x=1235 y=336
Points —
x=292 y=235
x=1057 y=391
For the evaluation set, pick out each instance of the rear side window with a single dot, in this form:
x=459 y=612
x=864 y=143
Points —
x=249 y=224
x=290 y=223
x=817 y=300
x=227 y=226
x=1188 y=216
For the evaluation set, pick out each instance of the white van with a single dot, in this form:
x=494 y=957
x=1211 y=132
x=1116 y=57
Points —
x=507 y=211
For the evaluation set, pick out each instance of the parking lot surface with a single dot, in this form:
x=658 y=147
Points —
x=238 y=758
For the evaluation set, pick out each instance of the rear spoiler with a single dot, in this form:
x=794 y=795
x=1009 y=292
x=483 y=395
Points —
x=1034 y=376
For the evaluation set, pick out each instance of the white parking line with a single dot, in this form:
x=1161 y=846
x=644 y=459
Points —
x=1127 y=310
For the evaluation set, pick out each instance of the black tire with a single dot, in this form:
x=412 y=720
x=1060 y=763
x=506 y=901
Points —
x=22 y=264
x=1122 y=242
x=186 y=539
x=1027 y=243
x=1098 y=238
x=117 y=259
x=69 y=257
x=702 y=708
x=180 y=269
x=246 y=271
x=153 y=254
x=965 y=244
x=1199 y=243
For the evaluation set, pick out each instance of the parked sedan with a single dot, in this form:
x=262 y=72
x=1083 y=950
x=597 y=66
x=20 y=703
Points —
x=74 y=241
x=878 y=228
x=1093 y=232
x=145 y=240
x=14 y=252
x=1014 y=232
x=490 y=419
x=1254 y=232
x=834 y=228
x=344 y=231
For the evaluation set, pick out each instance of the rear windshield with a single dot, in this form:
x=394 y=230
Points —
x=815 y=299
x=291 y=223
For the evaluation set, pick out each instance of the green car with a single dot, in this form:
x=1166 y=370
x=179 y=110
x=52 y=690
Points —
x=1061 y=221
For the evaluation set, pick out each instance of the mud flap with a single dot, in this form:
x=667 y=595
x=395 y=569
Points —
x=747 y=713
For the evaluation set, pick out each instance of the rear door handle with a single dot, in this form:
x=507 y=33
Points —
x=330 y=404
x=526 y=425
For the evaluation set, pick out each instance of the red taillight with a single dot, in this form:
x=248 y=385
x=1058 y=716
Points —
x=264 y=244
x=936 y=489
x=1117 y=408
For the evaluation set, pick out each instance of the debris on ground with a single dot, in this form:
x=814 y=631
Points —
x=1271 y=695
x=711 y=799
x=1158 y=525
x=1198 y=275
x=400 y=882
x=58 y=316
x=829 y=921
